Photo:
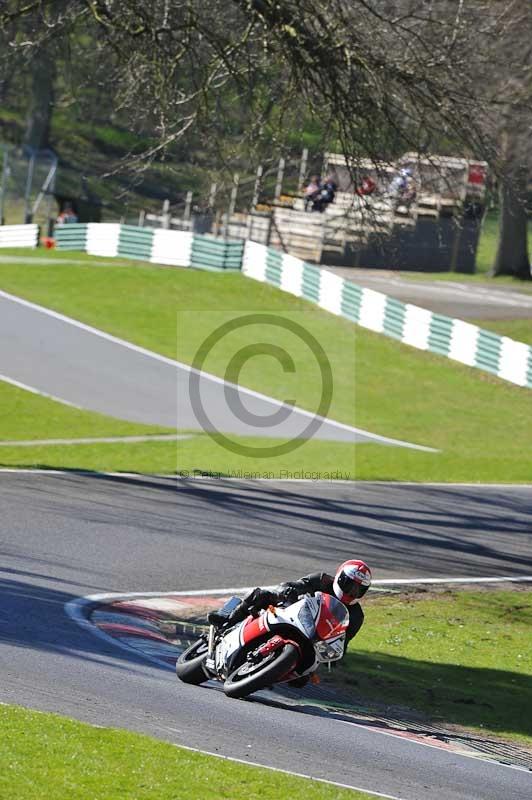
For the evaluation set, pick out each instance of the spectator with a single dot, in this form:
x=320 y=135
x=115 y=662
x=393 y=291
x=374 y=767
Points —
x=67 y=215
x=312 y=191
x=402 y=189
x=367 y=186
x=330 y=186
x=326 y=194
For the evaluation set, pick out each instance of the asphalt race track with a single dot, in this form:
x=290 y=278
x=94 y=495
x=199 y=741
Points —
x=62 y=357
x=66 y=536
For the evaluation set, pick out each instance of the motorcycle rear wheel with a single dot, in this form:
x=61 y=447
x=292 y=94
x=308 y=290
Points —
x=250 y=678
x=189 y=666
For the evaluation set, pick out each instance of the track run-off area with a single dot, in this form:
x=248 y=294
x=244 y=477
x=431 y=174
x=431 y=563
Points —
x=68 y=536
x=64 y=359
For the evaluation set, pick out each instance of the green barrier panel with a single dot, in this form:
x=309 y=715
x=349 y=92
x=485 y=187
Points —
x=351 y=300
x=135 y=242
x=72 y=236
x=310 y=285
x=274 y=267
x=488 y=351
x=529 y=373
x=394 y=318
x=216 y=253
x=440 y=334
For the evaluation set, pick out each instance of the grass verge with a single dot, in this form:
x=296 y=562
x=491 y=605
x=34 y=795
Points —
x=463 y=658
x=27 y=416
x=51 y=757
x=379 y=384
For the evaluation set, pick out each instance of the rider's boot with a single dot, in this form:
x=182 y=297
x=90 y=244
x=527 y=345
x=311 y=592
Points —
x=237 y=615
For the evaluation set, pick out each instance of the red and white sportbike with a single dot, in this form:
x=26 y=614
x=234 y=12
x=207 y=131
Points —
x=282 y=643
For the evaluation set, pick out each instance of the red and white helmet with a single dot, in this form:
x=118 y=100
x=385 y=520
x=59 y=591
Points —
x=352 y=581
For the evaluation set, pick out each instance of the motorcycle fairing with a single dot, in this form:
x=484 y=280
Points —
x=320 y=618
x=333 y=618
x=252 y=628
x=330 y=650
x=237 y=641
x=302 y=614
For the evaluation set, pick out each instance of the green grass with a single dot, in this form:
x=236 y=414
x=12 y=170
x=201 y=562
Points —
x=34 y=255
x=47 y=757
x=30 y=416
x=27 y=416
x=463 y=658
x=424 y=398
x=191 y=458
x=379 y=384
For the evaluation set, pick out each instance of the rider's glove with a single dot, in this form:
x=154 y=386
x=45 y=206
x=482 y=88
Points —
x=289 y=592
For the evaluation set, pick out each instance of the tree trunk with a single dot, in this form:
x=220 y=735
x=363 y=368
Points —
x=512 y=252
x=41 y=101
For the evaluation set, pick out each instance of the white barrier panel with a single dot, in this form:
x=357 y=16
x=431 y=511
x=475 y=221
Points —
x=102 y=238
x=172 y=247
x=331 y=288
x=292 y=275
x=416 y=329
x=464 y=342
x=19 y=235
x=372 y=310
x=254 y=263
x=513 y=361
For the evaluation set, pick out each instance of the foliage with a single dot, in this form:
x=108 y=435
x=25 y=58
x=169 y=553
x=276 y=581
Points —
x=378 y=78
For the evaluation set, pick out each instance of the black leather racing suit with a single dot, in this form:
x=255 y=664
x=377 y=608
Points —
x=323 y=582
x=262 y=598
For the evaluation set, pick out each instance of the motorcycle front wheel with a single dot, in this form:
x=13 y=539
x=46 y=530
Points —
x=189 y=666
x=251 y=677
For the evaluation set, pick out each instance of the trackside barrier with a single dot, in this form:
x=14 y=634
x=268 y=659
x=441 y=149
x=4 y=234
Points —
x=160 y=246
x=19 y=235
x=453 y=338
x=71 y=237
x=210 y=252
x=418 y=327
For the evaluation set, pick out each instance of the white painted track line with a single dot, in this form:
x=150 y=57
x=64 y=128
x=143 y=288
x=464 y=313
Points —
x=208 y=376
x=79 y=609
x=33 y=390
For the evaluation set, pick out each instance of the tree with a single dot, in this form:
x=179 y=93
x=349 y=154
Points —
x=43 y=72
x=511 y=120
x=381 y=76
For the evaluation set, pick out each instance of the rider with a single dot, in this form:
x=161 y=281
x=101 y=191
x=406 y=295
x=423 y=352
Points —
x=349 y=584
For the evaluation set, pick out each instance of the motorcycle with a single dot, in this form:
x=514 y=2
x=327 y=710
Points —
x=279 y=644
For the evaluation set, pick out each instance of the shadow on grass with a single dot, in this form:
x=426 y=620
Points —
x=496 y=699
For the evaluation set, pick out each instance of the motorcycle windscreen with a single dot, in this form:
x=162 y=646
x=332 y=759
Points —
x=229 y=606
x=333 y=617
